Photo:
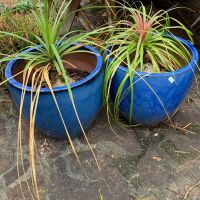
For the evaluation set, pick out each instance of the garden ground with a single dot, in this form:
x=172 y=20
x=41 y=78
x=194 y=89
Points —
x=157 y=163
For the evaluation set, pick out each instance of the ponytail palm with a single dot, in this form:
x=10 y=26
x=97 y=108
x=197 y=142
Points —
x=142 y=38
x=49 y=51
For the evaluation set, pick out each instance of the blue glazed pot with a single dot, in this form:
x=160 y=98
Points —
x=87 y=95
x=157 y=96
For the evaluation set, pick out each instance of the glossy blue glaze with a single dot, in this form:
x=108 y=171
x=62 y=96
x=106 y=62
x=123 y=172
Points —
x=158 y=95
x=87 y=95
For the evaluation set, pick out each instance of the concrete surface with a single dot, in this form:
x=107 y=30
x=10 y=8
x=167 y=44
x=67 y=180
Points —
x=157 y=163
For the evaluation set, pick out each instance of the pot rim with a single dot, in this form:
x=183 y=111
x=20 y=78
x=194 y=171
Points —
x=93 y=74
x=191 y=65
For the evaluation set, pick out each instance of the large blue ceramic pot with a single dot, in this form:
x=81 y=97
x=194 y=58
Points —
x=157 y=96
x=87 y=95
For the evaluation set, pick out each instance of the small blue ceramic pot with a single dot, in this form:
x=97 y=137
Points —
x=87 y=95
x=157 y=96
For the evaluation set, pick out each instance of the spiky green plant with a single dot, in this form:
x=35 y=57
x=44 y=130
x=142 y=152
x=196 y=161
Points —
x=17 y=22
x=142 y=37
x=49 y=56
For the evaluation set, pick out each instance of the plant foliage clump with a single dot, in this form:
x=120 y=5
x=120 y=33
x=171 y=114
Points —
x=49 y=51
x=139 y=39
x=20 y=23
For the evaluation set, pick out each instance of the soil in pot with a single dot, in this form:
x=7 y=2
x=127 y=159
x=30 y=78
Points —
x=77 y=65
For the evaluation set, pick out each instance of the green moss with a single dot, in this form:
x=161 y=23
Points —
x=147 y=138
x=127 y=165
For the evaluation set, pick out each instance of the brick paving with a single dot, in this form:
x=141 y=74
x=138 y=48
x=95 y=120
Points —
x=142 y=163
